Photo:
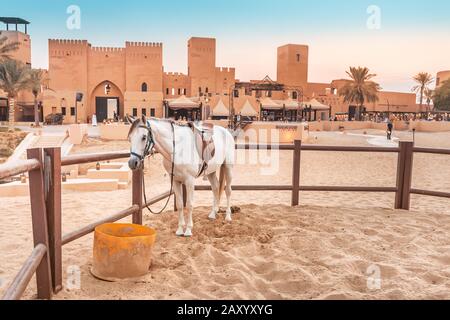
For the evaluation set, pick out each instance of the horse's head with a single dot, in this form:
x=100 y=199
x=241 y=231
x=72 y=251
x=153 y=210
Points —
x=141 y=140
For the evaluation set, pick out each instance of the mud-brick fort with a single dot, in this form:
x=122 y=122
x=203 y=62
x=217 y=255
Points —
x=131 y=80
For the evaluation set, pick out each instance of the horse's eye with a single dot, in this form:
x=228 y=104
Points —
x=144 y=137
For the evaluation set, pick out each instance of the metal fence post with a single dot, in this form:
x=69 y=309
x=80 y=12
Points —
x=138 y=178
x=296 y=173
x=39 y=222
x=52 y=174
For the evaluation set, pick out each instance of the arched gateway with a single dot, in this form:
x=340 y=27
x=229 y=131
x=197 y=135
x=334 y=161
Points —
x=107 y=101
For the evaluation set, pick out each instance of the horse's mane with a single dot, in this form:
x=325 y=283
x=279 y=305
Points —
x=138 y=121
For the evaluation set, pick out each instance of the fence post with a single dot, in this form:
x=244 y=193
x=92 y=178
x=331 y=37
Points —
x=39 y=222
x=407 y=177
x=138 y=177
x=296 y=173
x=404 y=175
x=400 y=175
x=52 y=173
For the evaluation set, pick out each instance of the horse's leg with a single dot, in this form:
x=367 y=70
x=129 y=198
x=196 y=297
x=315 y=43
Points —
x=178 y=190
x=215 y=189
x=190 y=206
x=228 y=179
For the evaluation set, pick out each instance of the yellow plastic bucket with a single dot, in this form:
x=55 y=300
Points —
x=122 y=251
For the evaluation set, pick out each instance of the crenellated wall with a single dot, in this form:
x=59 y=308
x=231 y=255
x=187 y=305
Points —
x=175 y=84
x=202 y=65
x=225 y=79
x=68 y=64
x=144 y=64
x=76 y=66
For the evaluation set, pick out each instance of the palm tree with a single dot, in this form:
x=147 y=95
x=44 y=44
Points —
x=429 y=95
x=423 y=80
x=7 y=48
x=360 y=89
x=37 y=80
x=14 y=76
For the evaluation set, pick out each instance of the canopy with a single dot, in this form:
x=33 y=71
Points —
x=247 y=110
x=220 y=110
x=268 y=103
x=289 y=104
x=182 y=103
x=315 y=105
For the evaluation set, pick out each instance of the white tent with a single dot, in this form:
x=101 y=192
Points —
x=268 y=103
x=316 y=105
x=289 y=104
x=247 y=110
x=220 y=110
x=182 y=103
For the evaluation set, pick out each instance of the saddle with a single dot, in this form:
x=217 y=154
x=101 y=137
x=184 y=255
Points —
x=203 y=135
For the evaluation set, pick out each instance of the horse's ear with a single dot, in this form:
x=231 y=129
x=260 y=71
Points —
x=134 y=124
x=130 y=119
x=144 y=119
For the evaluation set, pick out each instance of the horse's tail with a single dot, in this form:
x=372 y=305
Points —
x=221 y=180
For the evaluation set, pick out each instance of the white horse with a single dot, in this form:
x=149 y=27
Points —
x=189 y=152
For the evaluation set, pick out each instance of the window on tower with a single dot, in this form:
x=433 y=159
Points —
x=298 y=57
x=144 y=87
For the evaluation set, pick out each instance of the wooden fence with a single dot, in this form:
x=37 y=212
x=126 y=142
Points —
x=44 y=168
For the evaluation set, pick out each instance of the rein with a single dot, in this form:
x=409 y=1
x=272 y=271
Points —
x=149 y=145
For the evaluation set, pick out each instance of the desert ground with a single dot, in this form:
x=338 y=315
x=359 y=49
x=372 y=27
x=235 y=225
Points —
x=323 y=249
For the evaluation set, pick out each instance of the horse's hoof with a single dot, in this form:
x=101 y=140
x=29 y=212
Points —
x=188 y=234
x=212 y=216
x=180 y=232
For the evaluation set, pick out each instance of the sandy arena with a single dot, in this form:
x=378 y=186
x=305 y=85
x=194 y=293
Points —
x=323 y=249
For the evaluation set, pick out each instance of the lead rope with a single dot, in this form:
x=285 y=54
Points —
x=171 y=180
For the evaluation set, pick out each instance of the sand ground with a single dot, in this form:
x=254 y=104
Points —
x=323 y=249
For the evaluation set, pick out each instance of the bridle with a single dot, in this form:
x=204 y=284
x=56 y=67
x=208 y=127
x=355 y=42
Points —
x=150 y=143
x=148 y=150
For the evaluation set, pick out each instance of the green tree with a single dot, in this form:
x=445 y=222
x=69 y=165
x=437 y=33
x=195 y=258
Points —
x=441 y=97
x=14 y=77
x=360 y=88
x=37 y=81
x=423 y=80
x=7 y=47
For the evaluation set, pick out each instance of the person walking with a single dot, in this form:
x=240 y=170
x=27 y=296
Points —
x=390 y=127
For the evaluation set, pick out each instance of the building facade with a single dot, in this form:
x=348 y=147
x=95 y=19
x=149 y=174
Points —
x=115 y=82
x=24 y=110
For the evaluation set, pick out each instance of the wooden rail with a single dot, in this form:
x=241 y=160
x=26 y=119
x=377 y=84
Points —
x=431 y=193
x=72 y=236
x=20 y=282
x=12 y=169
x=44 y=167
x=94 y=157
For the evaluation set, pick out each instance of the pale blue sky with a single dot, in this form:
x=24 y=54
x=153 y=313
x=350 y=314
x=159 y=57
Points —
x=414 y=35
